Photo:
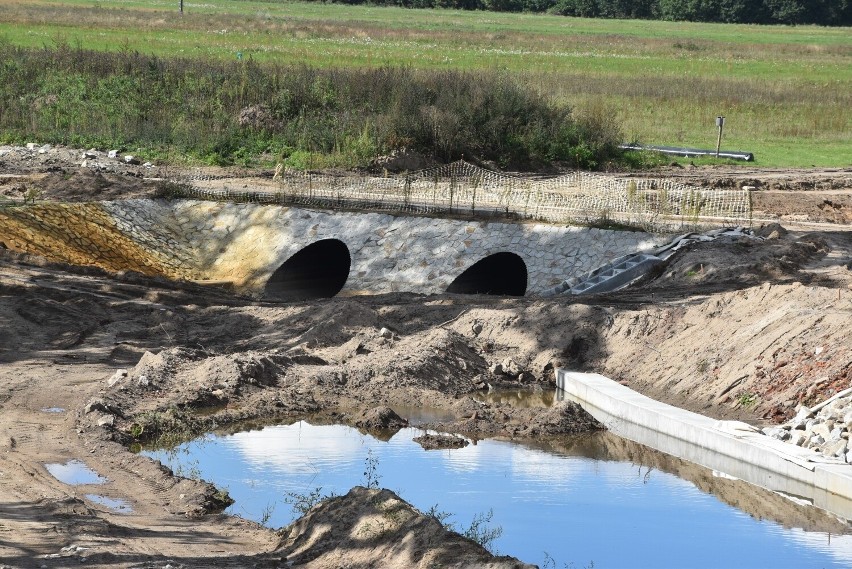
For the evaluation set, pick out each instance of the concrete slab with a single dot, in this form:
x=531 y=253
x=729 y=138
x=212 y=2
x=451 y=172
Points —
x=730 y=447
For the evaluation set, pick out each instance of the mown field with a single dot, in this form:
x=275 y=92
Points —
x=786 y=91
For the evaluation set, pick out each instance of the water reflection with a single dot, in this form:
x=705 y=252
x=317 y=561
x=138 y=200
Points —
x=581 y=499
x=74 y=472
x=117 y=505
x=522 y=398
x=755 y=473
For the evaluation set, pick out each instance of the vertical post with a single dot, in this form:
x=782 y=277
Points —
x=181 y=6
x=720 y=122
x=473 y=198
x=407 y=191
x=452 y=187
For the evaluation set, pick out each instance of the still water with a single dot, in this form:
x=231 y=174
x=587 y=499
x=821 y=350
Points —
x=74 y=472
x=594 y=500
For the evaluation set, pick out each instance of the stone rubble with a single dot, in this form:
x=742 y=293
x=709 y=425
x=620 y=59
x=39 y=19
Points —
x=45 y=156
x=826 y=428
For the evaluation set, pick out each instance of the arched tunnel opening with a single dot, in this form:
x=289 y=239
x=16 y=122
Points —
x=498 y=274
x=318 y=271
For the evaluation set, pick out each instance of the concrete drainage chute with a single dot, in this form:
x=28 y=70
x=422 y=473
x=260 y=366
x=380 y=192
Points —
x=319 y=270
x=624 y=271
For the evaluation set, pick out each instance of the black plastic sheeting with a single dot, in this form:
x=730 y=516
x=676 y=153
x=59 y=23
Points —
x=691 y=152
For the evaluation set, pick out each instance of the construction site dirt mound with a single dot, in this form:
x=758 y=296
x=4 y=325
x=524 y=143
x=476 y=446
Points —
x=739 y=328
x=376 y=528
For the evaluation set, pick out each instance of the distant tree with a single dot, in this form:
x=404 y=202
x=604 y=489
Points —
x=458 y=4
x=741 y=12
x=786 y=11
x=504 y=5
x=824 y=12
x=820 y=12
x=689 y=10
x=577 y=8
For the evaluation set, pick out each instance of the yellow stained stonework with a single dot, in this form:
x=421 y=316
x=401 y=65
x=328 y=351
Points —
x=243 y=244
x=80 y=234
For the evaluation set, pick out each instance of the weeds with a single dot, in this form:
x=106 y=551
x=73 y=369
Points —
x=479 y=529
x=190 y=470
x=480 y=532
x=165 y=428
x=694 y=271
x=550 y=563
x=239 y=112
x=441 y=516
x=371 y=471
x=222 y=497
x=302 y=502
x=266 y=514
x=747 y=400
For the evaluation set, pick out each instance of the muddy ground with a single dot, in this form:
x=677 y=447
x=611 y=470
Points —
x=738 y=328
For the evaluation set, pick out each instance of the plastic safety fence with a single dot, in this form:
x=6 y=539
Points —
x=461 y=187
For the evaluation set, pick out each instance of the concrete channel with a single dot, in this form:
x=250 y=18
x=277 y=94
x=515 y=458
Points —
x=729 y=448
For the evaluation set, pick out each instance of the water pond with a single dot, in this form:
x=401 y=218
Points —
x=592 y=500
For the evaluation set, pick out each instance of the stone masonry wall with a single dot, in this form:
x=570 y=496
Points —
x=245 y=243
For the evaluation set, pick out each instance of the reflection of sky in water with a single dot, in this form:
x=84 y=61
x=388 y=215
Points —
x=576 y=509
x=114 y=504
x=74 y=472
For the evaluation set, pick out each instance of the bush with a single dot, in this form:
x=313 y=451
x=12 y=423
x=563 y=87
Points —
x=239 y=112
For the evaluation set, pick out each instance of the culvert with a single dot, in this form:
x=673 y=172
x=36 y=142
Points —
x=498 y=274
x=318 y=271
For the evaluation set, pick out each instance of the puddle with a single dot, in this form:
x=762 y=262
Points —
x=74 y=472
x=117 y=505
x=53 y=410
x=594 y=498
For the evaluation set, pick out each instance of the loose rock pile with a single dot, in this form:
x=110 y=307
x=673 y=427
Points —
x=44 y=157
x=825 y=428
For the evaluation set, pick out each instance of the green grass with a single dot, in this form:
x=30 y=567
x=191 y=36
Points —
x=785 y=91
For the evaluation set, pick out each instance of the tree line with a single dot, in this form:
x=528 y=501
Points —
x=820 y=12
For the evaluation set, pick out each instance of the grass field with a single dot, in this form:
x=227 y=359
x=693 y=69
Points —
x=786 y=91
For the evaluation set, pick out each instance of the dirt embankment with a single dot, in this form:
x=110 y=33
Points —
x=790 y=196
x=736 y=329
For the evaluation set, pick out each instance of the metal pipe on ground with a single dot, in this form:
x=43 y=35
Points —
x=691 y=152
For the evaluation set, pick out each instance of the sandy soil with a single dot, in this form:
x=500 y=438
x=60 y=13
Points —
x=743 y=329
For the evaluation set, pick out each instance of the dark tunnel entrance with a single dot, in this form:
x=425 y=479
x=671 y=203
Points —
x=499 y=274
x=318 y=271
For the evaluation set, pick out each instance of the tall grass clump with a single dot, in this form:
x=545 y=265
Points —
x=226 y=112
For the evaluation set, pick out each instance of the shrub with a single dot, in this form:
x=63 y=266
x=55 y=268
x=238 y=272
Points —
x=240 y=111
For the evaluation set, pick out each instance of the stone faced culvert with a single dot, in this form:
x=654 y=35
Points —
x=291 y=253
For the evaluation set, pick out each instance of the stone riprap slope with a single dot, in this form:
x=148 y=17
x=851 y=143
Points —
x=244 y=244
x=825 y=428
